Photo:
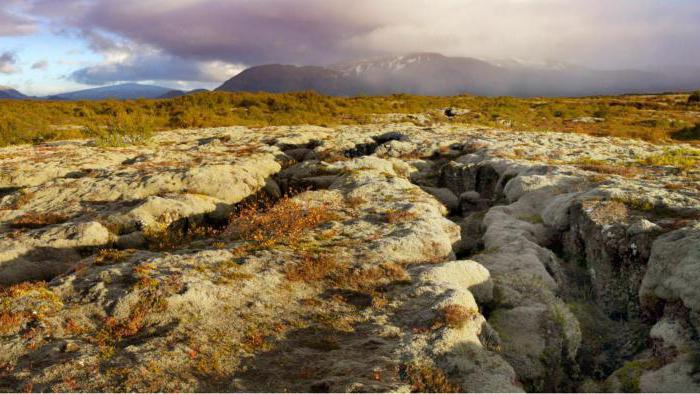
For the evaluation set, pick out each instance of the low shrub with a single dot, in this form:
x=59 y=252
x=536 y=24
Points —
x=687 y=134
x=694 y=97
x=265 y=224
x=427 y=379
x=455 y=316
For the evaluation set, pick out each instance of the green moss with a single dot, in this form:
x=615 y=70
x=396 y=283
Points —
x=631 y=372
x=683 y=159
x=534 y=219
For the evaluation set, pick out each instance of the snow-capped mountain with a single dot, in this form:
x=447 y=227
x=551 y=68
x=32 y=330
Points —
x=517 y=63
x=384 y=64
x=435 y=74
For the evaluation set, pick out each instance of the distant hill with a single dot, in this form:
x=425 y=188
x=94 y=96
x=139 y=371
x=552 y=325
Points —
x=177 y=93
x=278 y=78
x=7 y=92
x=123 y=91
x=435 y=74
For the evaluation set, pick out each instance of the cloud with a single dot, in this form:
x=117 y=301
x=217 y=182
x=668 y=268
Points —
x=598 y=33
x=153 y=65
x=40 y=65
x=8 y=61
x=12 y=24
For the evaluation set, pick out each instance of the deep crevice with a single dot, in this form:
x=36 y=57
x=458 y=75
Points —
x=610 y=335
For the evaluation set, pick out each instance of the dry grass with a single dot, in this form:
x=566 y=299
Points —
x=37 y=220
x=684 y=159
x=455 y=316
x=23 y=198
x=395 y=216
x=311 y=268
x=162 y=237
x=355 y=201
x=633 y=202
x=118 y=123
x=25 y=302
x=112 y=256
x=9 y=322
x=674 y=186
x=427 y=379
x=152 y=292
x=287 y=222
x=602 y=167
x=369 y=278
x=609 y=211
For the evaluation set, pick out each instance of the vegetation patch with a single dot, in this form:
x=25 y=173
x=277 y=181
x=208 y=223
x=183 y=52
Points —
x=395 y=216
x=534 y=218
x=632 y=371
x=37 y=220
x=128 y=122
x=683 y=159
x=22 y=198
x=603 y=167
x=152 y=292
x=112 y=256
x=311 y=268
x=694 y=97
x=122 y=130
x=425 y=378
x=25 y=302
x=455 y=316
x=163 y=237
x=264 y=224
x=609 y=211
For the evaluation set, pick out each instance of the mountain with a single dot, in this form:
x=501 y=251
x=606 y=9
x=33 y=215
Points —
x=278 y=78
x=177 y=93
x=423 y=73
x=123 y=91
x=7 y=92
x=435 y=74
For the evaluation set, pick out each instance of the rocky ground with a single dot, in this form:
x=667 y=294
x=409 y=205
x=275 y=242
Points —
x=387 y=257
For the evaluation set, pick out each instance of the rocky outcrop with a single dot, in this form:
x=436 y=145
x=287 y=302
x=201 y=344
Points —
x=360 y=258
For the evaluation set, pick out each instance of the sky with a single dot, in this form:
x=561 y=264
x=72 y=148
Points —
x=51 y=46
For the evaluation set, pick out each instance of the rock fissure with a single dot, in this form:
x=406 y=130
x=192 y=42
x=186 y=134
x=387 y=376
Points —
x=586 y=296
x=388 y=258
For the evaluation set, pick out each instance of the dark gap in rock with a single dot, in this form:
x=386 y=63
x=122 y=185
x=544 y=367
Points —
x=612 y=329
x=361 y=150
x=369 y=148
x=200 y=227
x=6 y=191
x=390 y=136
x=610 y=337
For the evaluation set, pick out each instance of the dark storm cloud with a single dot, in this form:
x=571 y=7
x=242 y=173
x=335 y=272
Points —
x=239 y=31
x=153 y=66
x=598 y=33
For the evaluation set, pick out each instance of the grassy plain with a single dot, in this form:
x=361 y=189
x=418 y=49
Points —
x=656 y=118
